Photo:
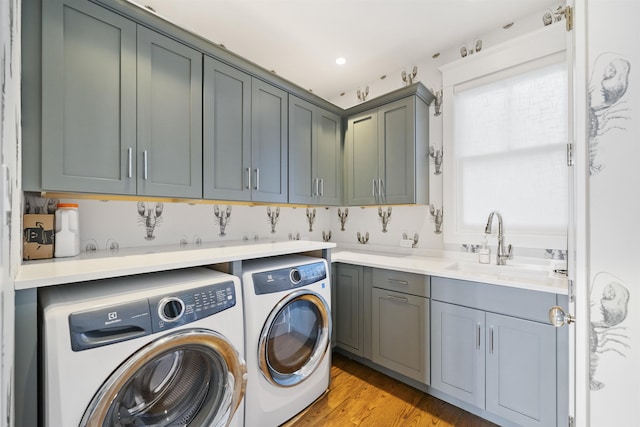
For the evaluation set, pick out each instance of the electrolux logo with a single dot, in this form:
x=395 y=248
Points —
x=112 y=317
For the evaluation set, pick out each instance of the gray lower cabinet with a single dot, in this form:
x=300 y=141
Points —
x=348 y=308
x=400 y=323
x=315 y=154
x=121 y=105
x=245 y=136
x=505 y=363
x=387 y=154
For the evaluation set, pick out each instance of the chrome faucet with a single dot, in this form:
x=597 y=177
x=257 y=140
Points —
x=503 y=256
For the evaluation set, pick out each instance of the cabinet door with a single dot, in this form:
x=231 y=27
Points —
x=88 y=99
x=328 y=155
x=521 y=370
x=458 y=352
x=169 y=117
x=397 y=139
x=227 y=132
x=303 y=184
x=269 y=143
x=348 y=289
x=400 y=333
x=362 y=159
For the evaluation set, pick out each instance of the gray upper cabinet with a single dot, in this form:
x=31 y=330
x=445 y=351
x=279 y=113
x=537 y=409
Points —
x=88 y=99
x=227 y=132
x=387 y=154
x=121 y=106
x=169 y=149
x=269 y=143
x=245 y=136
x=314 y=154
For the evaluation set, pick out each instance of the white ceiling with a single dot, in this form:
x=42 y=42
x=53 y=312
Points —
x=300 y=39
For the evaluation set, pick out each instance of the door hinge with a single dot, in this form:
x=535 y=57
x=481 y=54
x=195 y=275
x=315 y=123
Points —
x=572 y=289
x=570 y=154
x=572 y=421
x=567 y=11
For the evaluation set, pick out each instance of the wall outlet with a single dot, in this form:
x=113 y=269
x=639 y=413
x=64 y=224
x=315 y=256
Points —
x=406 y=243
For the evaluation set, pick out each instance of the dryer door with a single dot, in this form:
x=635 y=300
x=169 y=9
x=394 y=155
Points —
x=189 y=377
x=294 y=338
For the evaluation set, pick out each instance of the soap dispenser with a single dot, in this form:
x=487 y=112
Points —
x=484 y=253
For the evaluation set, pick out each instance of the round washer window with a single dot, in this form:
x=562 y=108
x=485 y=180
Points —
x=191 y=377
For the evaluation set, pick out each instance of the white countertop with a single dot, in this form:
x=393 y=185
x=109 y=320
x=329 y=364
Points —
x=127 y=261
x=515 y=275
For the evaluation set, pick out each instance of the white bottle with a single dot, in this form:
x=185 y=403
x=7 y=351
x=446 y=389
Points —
x=67 y=238
x=484 y=253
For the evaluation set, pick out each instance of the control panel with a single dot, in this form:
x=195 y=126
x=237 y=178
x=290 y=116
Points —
x=283 y=279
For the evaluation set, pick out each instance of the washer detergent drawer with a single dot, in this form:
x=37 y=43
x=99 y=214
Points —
x=109 y=325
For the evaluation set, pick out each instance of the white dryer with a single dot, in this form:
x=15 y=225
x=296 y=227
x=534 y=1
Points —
x=287 y=335
x=154 y=349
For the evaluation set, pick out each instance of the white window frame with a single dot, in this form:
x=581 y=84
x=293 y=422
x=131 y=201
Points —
x=527 y=52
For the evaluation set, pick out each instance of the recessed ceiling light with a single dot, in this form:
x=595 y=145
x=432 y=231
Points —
x=341 y=61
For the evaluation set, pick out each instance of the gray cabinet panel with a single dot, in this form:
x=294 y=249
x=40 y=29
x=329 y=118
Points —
x=302 y=136
x=329 y=158
x=88 y=98
x=314 y=154
x=521 y=370
x=400 y=333
x=396 y=128
x=269 y=143
x=348 y=289
x=362 y=159
x=227 y=132
x=169 y=117
x=458 y=352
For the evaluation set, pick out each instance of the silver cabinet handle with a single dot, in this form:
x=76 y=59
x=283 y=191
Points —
x=145 y=164
x=316 y=185
x=478 y=337
x=256 y=172
x=398 y=281
x=381 y=191
x=130 y=162
x=247 y=183
x=491 y=340
x=395 y=298
x=374 y=188
x=321 y=187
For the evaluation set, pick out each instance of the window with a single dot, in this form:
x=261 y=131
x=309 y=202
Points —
x=506 y=140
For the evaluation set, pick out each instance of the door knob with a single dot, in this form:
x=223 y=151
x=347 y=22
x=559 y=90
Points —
x=557 y=317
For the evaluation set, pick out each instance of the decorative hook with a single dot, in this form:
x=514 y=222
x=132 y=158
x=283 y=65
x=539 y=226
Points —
x=408 y=78
x=437 y=217
x=343 y=217
x=274 y=217
x=311 y=217
x=437 y=102
x=362 y=96
x=363 y=239
x=436 y=158
x=385 y=216
x=415 y=239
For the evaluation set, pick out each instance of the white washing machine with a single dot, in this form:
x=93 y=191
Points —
x=154 y=349
x=287 y=335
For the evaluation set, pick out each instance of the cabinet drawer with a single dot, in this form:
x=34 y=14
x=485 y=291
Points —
x=522 y=303
x=408 y=283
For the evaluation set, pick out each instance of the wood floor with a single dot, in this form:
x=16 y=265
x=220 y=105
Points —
x=360 y=396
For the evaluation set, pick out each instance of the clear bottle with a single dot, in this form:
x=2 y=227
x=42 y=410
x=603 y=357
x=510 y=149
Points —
x=484 y=253
x=67 y=238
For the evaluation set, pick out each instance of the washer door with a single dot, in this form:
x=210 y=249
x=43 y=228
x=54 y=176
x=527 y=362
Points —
x=294 y=338
x=190 y=377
